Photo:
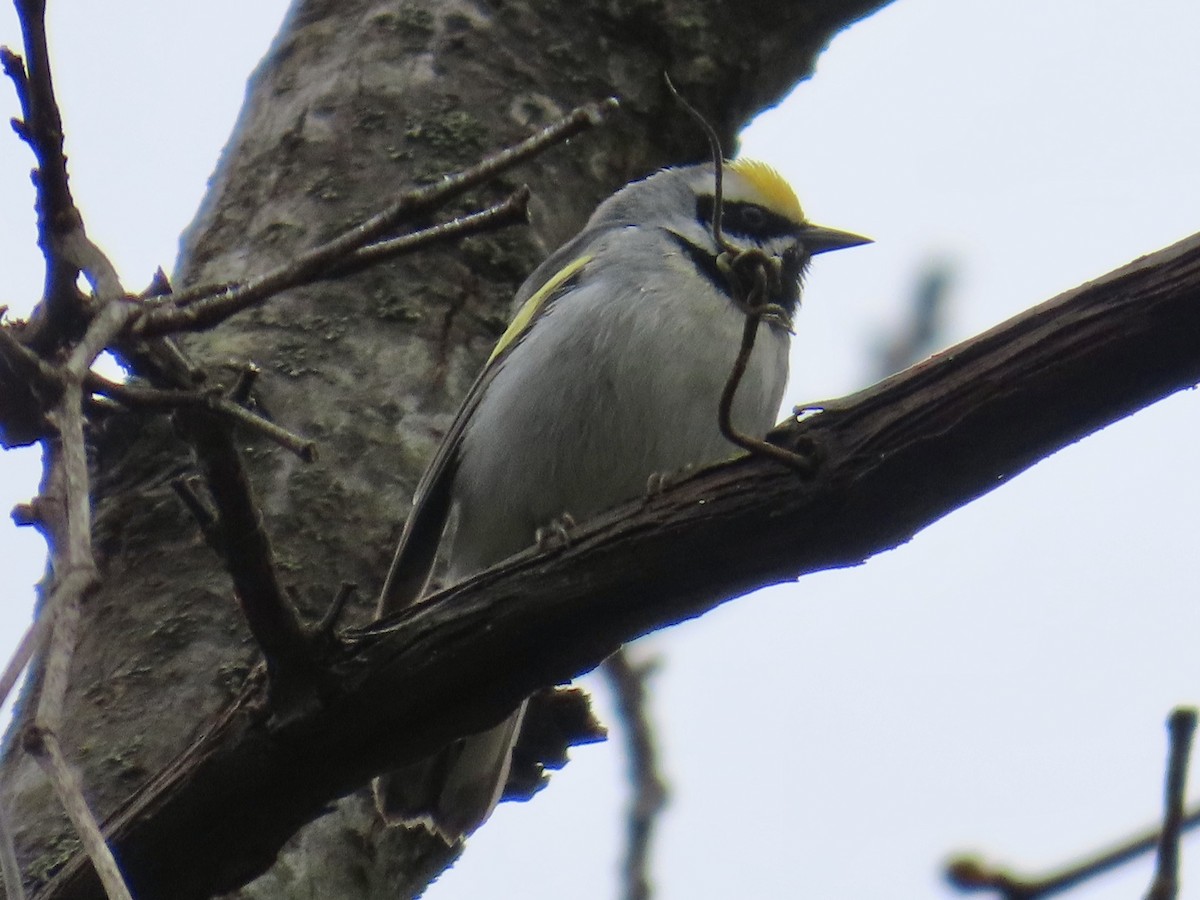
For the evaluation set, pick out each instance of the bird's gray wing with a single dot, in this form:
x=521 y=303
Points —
x=419 y=541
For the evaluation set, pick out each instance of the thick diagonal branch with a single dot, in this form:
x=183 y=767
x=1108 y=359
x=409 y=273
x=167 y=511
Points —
x=893 y=459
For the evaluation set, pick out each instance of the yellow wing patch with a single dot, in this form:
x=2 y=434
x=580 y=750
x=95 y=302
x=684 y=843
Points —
x=530 y=307
x=774 y=188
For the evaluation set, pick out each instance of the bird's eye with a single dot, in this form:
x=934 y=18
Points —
x=752 y=218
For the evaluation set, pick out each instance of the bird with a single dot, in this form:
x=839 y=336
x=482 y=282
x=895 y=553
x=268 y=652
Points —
x=609 y=375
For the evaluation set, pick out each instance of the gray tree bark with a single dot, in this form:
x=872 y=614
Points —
x=355 y=100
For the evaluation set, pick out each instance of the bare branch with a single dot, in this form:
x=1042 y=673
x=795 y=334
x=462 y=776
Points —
x=202 y=512
x=96 y=267
x=247 y=376
x=28 y=386
x=512 y=211
x=68 y=251
x=67 y=503
x=43 y=745
x=302 y=447
x=205 y=305
x=628 y=681
x=113 y=316
x=970 y=873
x=134 y=396
x=74 y=567
x=75 y=576
x=1182 y=726
x=27 y=364
x=326 y=629
x=245 y=549
x=14 y=70
x=29 y=644
x=923 y=327
x=61 y=235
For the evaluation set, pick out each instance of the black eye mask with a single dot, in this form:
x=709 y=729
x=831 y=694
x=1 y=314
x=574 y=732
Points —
x=745 y=219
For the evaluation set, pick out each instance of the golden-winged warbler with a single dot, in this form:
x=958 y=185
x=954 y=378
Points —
x=610 y=373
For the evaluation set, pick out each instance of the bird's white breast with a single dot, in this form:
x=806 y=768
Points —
x=619 y=379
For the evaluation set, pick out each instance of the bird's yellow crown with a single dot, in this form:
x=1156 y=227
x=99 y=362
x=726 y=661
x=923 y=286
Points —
x=777 y=194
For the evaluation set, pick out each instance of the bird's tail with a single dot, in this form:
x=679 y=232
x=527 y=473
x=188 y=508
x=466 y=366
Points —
x=452 y=792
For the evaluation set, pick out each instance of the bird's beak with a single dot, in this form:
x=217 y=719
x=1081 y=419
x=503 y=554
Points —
x=820 y=240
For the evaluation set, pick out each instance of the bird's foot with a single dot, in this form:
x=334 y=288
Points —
x=555 y=534
x=658 y=482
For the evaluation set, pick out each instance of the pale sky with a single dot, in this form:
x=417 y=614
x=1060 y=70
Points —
x=999 y=683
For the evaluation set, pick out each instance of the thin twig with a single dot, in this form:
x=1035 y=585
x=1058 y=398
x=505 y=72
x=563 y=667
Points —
x=513 y=210
x=74 y=567
x=923 y=326
x=202 y=512
x=41 y=128
x=61 y=234
x=76 y=576
x=133 y=396
x=30 y=643
x=718 y=162
x=756 y=309
x=14 y=69
x=327 y=627
x=67 y=503
x=96 y=267
x=1181 y=727
x=28 y=385
x=247 y=376
x=628 y=681
x=26 y=363
x=971 y=874
x=245 y=549
x=199 y=315
x=205 y=305
x=107 y=324
x=40 y=111
x=160 y=362
x=304 y=448
x=44 y=745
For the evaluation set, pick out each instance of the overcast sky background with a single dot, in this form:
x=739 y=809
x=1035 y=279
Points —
x=999 y=683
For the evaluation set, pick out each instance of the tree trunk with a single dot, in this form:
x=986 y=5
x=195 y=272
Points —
x=356 y=100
